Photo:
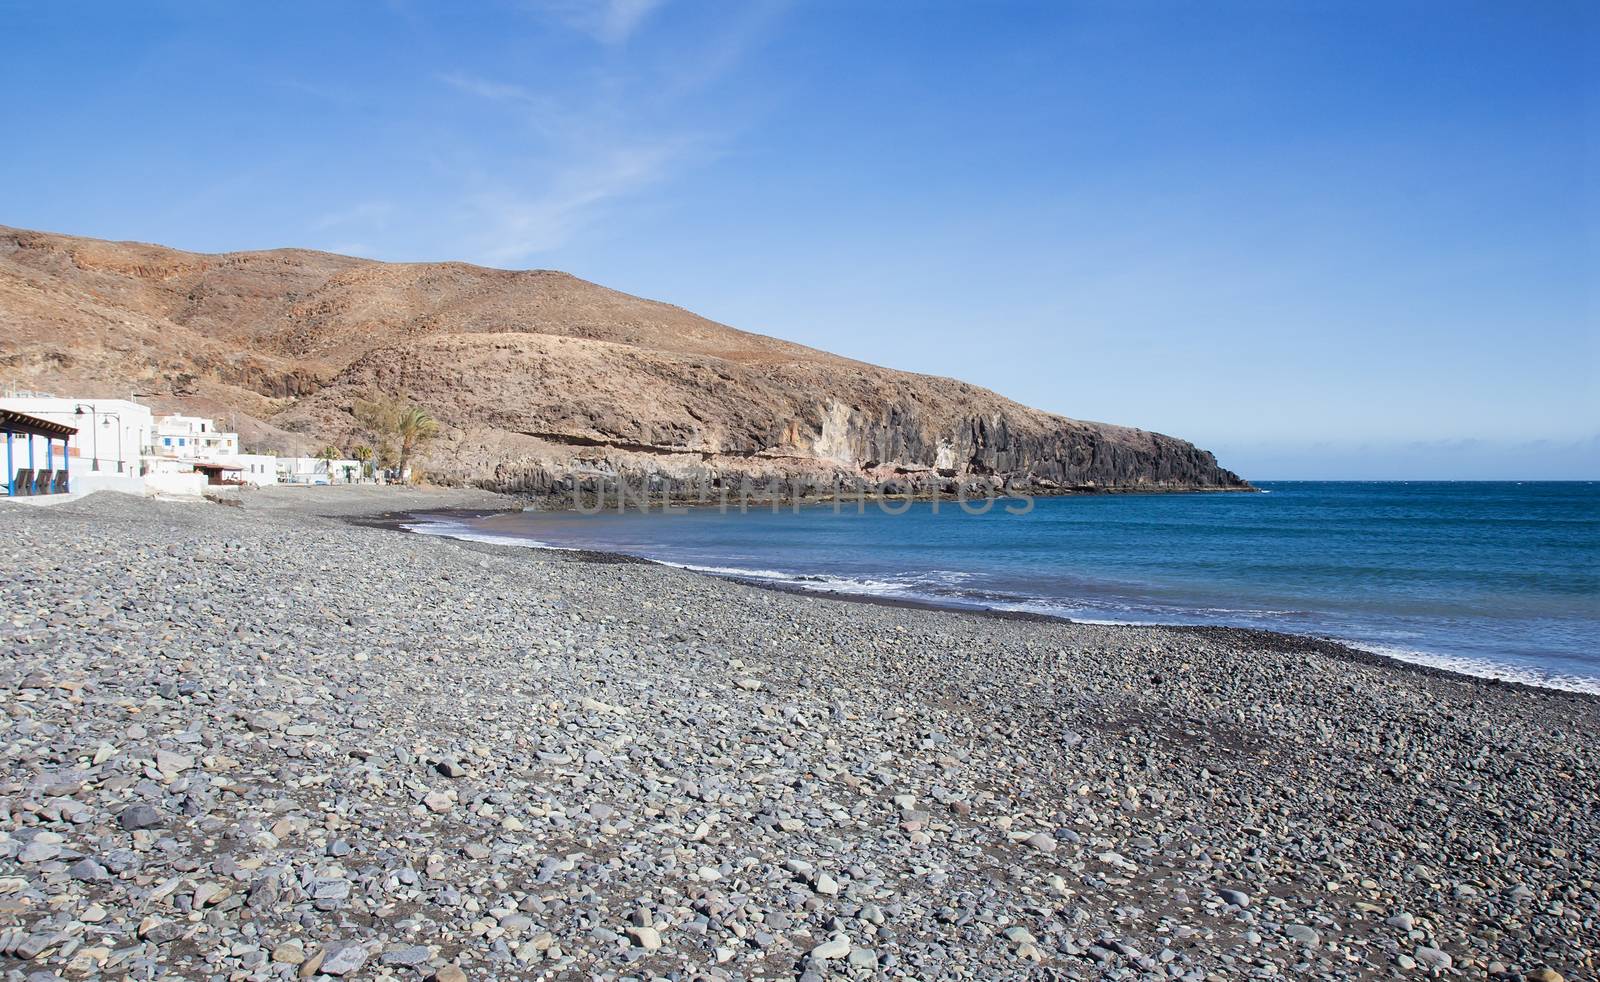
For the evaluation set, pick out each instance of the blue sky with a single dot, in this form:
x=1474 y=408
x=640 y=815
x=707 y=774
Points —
x=1325 y=240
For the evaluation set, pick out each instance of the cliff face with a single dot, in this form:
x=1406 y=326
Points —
x=540 y=380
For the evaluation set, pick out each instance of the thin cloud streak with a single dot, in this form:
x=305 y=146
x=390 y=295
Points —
x=374 y=214
x=541 y=113
x=581 y=164
x=618 y=136
x=610 y=22
x=621 y=17
x=517 y=224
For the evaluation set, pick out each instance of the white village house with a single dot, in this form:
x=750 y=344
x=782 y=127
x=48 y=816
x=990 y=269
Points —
x=215 y=452
x=191 y=438
x=318 y=470
x=259 y=469
x=121 y=445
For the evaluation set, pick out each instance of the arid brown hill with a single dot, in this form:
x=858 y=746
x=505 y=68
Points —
x=537 y=377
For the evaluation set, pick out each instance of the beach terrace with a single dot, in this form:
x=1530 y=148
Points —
x=24 y=475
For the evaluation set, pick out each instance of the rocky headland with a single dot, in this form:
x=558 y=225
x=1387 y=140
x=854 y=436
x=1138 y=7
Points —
x=260 y=744
x=542 y=382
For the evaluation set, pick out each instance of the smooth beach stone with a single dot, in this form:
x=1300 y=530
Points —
x=342 y=958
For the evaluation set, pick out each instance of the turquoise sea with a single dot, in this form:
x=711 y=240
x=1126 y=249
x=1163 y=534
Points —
x=1499 y=579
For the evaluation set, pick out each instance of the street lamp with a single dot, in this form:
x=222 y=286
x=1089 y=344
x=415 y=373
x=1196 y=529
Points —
x=94 y=432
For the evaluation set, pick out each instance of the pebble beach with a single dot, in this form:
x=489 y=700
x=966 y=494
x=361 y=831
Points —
x=288 y=740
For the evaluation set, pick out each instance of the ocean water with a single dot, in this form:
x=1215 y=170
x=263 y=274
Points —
x=1496 y=579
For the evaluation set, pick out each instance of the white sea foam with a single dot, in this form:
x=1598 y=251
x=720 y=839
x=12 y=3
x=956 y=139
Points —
x=1081 y=612
x=1486 y=668
x=751 y=574
x=450 y=530
x=817 y=583
x=838 y=584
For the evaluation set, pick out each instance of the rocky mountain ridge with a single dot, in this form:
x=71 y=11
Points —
x=540 y=380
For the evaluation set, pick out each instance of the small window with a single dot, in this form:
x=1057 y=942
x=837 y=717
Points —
x=166 y=441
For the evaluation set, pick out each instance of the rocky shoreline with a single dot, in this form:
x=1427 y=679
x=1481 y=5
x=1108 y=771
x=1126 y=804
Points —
x=570 y=497
x=1243 y=637
x=263 y=743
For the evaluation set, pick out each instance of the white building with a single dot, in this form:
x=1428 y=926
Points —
x=197 y=439
x=191 y=438
x=122 y=446
x=171 y=476
x=259 y=469
x=316 y=470
x=345 y=471
x=107 y=454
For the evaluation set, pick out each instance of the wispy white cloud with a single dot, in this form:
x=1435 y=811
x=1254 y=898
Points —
x=585 y=154
x=542 y=113
x=560 y=149
x=374 y=214
x=532 y=154
x=486 y=89
x=607 y=21
x=515 y=224
x=618 y=18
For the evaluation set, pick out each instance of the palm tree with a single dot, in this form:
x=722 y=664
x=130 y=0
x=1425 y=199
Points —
x=329 y=454
x=364 y=454
x=414 y=426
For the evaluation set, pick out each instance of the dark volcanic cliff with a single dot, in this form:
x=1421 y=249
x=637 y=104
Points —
x=539 y=379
